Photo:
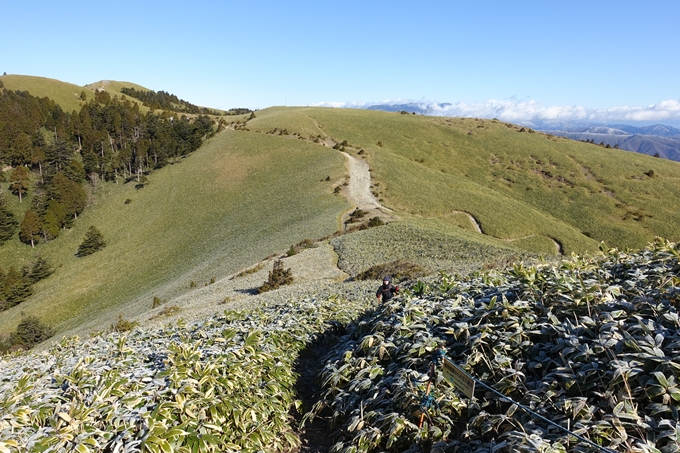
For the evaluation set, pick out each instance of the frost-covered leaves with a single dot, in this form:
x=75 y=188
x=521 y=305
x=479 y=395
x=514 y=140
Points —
x=225 y=384
x=593 y=345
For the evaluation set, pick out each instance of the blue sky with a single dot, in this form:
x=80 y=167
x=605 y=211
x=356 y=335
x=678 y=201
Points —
x=551 y=54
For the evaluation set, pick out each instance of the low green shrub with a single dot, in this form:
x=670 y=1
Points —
x=278 y=276
x=375 y=221
x=251 y=270
x=123 y=325
x=398 y=270
x=300 y=246
x=168 y=311
x=357 y=214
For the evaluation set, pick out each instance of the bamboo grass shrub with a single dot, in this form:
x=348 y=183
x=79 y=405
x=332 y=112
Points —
x=225 y=384
x=592 y=344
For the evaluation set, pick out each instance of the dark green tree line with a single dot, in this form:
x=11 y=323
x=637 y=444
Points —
x=8 y=222
x=53 y=154
x=162 y=100
x=23 y=118
x=116 y=140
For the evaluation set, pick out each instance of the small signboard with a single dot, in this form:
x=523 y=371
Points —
x=458 y=378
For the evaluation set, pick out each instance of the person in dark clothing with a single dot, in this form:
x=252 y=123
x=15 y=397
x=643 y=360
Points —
x=387 y=290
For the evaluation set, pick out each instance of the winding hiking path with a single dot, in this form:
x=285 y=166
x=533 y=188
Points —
x=559 y=249
x=473 y=221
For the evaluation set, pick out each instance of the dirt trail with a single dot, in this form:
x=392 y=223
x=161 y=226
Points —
x=473 y=220
x=359 y=188
x=559 y=249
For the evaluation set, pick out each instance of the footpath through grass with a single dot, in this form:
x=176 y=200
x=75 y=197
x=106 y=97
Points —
x=520 y=185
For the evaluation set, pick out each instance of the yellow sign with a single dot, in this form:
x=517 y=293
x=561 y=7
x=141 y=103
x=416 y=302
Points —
x=458 y=378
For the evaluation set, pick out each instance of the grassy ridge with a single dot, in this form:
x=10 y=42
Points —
x=430 y=243
x=67 y=95
x=518 y=184
x=238 y=199
x=114 y=86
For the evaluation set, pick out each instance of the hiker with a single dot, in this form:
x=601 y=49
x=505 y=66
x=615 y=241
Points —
x=387 y=290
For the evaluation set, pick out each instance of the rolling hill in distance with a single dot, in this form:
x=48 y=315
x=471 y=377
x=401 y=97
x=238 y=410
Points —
x=67 y=95
x=656 y=140
x=268 y=182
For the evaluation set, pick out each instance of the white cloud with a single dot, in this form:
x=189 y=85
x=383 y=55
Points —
x=512 y=110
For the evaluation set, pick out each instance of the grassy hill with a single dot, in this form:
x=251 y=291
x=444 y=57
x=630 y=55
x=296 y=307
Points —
x=67 y=95
x=520 y=186
x=247 y=194
x=239 y=199
x=464 y=193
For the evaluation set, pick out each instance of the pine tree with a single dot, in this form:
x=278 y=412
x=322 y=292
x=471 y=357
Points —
x=71 y=195
x=30 y=228
x=31 y=331
x=93 y=242
x=39 y=269
x=21 y=150
x=58 y=210
x=8 y=223
x=20 y=181
x=278 y=276
x=50 y=225
x=59 y=154
x=15 y=289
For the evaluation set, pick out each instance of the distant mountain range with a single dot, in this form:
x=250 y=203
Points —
x=410 y=108
x=655 y=140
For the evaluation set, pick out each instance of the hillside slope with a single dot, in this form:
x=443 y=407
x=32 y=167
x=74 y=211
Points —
x=464 y=192
x=237 y=200
x=590 y=345
x=67 y=95
x=529 y=188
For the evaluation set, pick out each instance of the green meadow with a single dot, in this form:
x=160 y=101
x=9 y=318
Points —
x=239 y=199
x=520 y=185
